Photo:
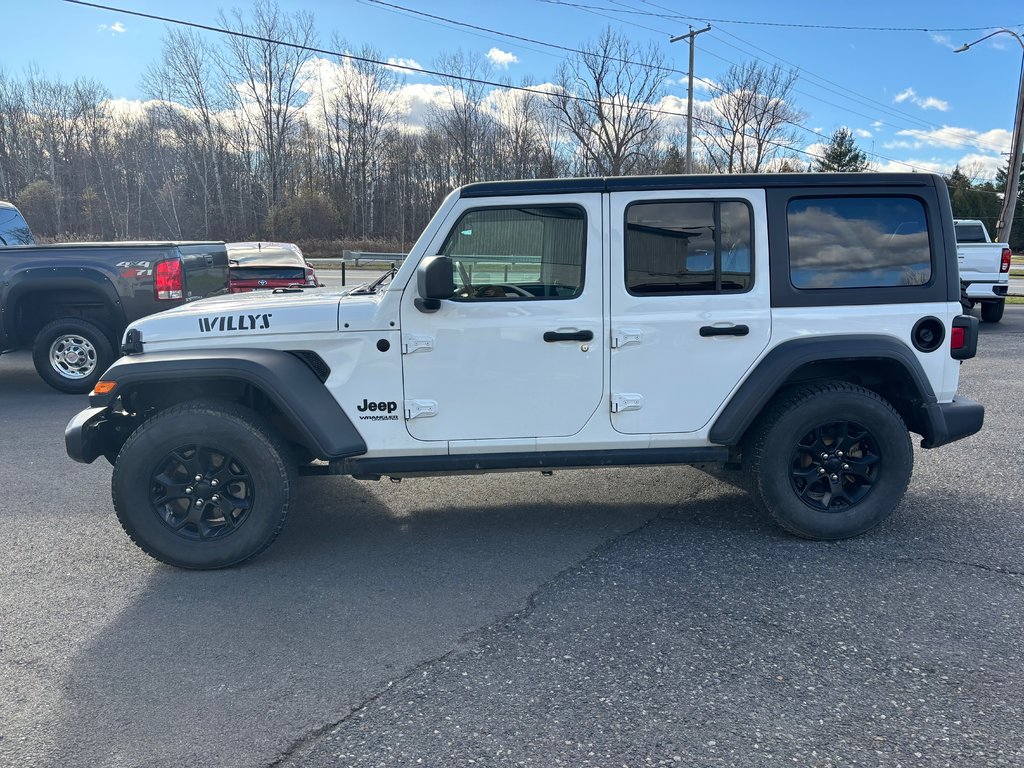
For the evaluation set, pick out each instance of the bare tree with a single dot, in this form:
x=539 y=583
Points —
x=464 y=125
x=604 y=102
x=268 y=80
x=186 y=77
x=752 y=122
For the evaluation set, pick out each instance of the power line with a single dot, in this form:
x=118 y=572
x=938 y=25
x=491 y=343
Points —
x=967 y=139
x=793 y=25
x=443 y=75
x=569 y=49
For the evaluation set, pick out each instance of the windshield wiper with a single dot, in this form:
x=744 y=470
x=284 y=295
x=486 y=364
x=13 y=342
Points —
x=372 y=287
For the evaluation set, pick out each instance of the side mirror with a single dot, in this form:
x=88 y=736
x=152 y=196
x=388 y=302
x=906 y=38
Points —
x=435 y=280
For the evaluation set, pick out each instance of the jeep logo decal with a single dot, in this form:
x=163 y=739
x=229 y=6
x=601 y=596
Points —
x=381 y=410
x=234 y=323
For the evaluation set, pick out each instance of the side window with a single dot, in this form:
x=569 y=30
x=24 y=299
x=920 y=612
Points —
x=858 y=242
x=529 y=252
x=677 y=248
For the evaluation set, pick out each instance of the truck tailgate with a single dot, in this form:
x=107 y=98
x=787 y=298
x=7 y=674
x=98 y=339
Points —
x=206 y=269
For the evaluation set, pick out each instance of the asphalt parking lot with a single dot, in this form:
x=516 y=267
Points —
x=596 y=618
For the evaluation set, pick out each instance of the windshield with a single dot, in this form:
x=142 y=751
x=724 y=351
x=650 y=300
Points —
x=13 y=228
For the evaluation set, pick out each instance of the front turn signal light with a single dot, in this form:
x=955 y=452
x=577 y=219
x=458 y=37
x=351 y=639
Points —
x=104 y=387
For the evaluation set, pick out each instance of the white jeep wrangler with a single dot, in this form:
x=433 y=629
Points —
x=797 y=326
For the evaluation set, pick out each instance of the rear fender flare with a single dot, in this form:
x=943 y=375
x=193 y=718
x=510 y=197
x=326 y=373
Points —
x=775 y=368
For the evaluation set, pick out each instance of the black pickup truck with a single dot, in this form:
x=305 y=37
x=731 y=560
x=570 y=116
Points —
x=70 y=303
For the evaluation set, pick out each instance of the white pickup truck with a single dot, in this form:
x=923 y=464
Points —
x=984 y=268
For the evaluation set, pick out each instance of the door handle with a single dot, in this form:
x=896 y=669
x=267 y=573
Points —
x=728 y=330
x=568 y=336
x=209 y=261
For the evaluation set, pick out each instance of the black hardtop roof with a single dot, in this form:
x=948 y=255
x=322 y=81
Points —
x=719 y=181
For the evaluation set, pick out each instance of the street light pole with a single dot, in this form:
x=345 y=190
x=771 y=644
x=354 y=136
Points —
x=1005 y=223
x=689 y=95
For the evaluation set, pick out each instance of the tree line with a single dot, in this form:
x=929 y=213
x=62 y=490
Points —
x=241 y=137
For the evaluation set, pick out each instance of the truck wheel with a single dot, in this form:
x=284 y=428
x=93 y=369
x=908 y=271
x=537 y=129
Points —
x=71 y=354
x=204 y=484
x=992 y=311
x=829 y=461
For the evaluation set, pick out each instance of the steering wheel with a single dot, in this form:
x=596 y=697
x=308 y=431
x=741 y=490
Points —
x=510 y=288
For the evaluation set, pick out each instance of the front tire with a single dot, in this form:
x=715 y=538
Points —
x=203 y=485
x=992 y=311
x=829 y=461
x=71 y=354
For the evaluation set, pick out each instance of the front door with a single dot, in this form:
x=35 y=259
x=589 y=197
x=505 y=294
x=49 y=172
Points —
x=517 y=353
x=690 y=304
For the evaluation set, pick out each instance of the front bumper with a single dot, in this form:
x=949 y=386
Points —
x=947 y=422
x=87 y=434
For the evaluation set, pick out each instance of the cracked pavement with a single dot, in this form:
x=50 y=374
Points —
x=607 y=618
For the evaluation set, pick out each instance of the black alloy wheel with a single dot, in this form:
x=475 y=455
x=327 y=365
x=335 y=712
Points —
x=202 y=492
x=835 y=466
x=828 y=460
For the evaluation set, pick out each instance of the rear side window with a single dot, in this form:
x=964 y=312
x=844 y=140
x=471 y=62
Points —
x=675 y=248
x=858 y=242
x=535 y=252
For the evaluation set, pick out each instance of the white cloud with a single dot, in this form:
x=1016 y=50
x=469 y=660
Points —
x=116 y=28
x=862 y=134
x=500 y=58
x=997 y=140
x=943 y=40
x=398 y=63
x=929 y=102
x=416 y=100
x=877 y=124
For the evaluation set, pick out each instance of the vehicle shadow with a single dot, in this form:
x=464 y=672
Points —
x=366 y=582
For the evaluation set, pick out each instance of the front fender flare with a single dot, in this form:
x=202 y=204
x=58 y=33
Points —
x=282 y=377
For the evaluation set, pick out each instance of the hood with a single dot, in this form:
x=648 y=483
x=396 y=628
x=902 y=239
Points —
x=239 y=317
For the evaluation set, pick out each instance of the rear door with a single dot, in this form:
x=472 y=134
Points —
x=690 y=304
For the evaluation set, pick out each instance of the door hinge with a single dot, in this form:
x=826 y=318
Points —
x=417 y=409
x=412 y=344
x=627 y=401
x=624 y=336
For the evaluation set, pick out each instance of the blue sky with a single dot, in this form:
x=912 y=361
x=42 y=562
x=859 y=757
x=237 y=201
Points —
x=906 y=95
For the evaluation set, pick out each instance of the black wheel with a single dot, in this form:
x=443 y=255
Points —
x=203 y=484
x=71 y=354
x=992 y=311
x=829 y=461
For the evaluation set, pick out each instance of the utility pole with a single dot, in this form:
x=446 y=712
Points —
x=689 y=94
x=1005 y=223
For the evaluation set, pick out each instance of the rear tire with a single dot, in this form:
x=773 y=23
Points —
x=71 y=354
x=204 y=484
x=829 y=461
x=992 y=311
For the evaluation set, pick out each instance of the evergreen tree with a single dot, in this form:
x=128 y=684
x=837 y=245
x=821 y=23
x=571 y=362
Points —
x=841 y=154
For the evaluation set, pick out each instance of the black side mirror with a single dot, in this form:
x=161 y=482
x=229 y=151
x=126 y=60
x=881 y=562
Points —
x=435 y=280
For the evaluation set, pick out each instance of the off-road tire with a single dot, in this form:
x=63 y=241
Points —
x=72 y=339
x=992 y=311
x=256 y=485
x=785 y=451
